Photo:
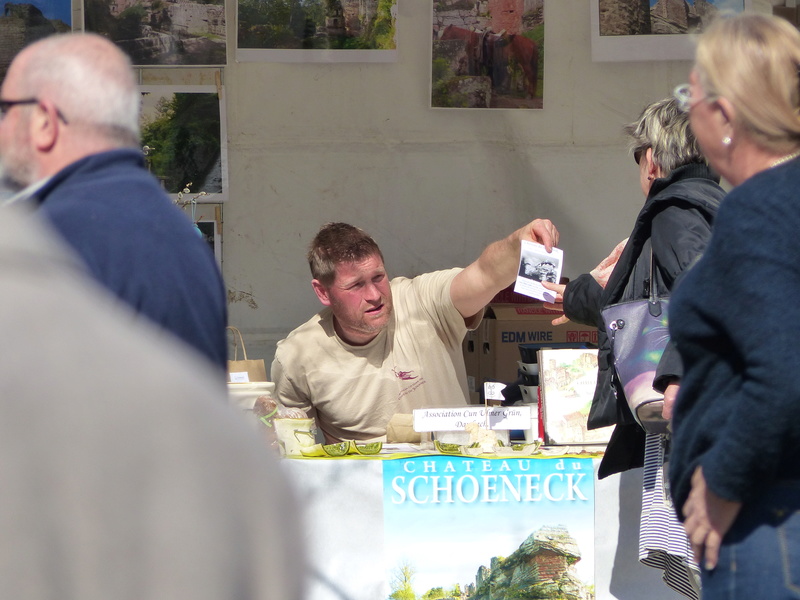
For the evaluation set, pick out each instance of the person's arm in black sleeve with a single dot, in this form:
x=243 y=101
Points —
x=582 y=300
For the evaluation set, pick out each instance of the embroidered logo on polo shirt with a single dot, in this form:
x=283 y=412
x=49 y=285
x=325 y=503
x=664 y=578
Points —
x=404 y=375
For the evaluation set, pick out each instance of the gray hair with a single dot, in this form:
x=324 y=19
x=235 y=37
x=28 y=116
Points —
x=91 y=82
x=663 y=127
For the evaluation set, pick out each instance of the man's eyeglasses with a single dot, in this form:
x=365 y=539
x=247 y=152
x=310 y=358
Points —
x=6 y=105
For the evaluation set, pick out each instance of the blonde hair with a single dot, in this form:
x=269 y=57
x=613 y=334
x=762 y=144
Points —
x=752 y=60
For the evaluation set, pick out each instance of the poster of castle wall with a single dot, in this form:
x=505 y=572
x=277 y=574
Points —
x=154 y=32
x=487 y=54
x=184 y=141
x=489 y=528
x=25 y=21
x=635 y=30
x=316 y=31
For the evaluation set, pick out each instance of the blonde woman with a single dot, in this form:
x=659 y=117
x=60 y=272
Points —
x=735 y=462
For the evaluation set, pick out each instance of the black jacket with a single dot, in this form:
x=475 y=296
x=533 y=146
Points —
x=675 y=222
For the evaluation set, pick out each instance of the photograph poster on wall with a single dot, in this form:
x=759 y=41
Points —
x=184 y=141
x=208 y=220
x=183 y=33
x=316 y=31
x=487 y=54
x=25 y=21
x=632 y=30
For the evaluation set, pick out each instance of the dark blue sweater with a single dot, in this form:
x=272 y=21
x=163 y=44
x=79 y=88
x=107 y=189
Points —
x=735 y=320
x=139 y=245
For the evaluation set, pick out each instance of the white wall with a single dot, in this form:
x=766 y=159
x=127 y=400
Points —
x=310 y=143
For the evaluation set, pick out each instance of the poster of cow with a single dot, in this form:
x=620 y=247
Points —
x=487 y=54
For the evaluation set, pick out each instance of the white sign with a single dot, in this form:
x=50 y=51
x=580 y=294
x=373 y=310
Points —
x=455 y=419
x=240 y=377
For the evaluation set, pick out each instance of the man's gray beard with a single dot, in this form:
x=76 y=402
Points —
x=8 y=186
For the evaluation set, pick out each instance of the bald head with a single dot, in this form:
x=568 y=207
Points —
x=80 y=98
x=88 y=78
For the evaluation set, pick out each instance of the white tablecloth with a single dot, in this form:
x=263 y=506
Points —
x=342 y=504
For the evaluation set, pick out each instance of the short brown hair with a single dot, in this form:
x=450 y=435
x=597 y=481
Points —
x=337 y=243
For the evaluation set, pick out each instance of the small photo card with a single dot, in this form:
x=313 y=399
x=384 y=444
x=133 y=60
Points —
x=536 y=265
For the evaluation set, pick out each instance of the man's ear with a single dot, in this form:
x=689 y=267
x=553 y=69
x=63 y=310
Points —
x=321 y=291
x=45 y=126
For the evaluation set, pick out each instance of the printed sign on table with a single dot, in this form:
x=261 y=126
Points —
x=498 y=528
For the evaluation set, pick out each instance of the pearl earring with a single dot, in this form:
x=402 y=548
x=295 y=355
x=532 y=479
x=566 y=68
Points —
x=726 y=141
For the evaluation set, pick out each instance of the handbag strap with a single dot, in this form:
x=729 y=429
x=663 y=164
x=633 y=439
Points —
x=654 y=302
x=236 y=342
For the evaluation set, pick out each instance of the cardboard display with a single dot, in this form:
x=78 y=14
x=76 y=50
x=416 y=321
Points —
x=491 y=352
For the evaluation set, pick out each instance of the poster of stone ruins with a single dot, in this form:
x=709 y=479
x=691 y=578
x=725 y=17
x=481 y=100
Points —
x=162 y=32
x=23 y=22
x=626 y=30
x=316 y=30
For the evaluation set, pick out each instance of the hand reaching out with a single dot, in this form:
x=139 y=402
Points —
x=602 y=272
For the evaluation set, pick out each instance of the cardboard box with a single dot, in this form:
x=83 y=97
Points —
x=491 y=352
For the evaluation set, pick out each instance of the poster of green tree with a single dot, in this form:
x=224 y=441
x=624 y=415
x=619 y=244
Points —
x=183 y=138
x=316 y=30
